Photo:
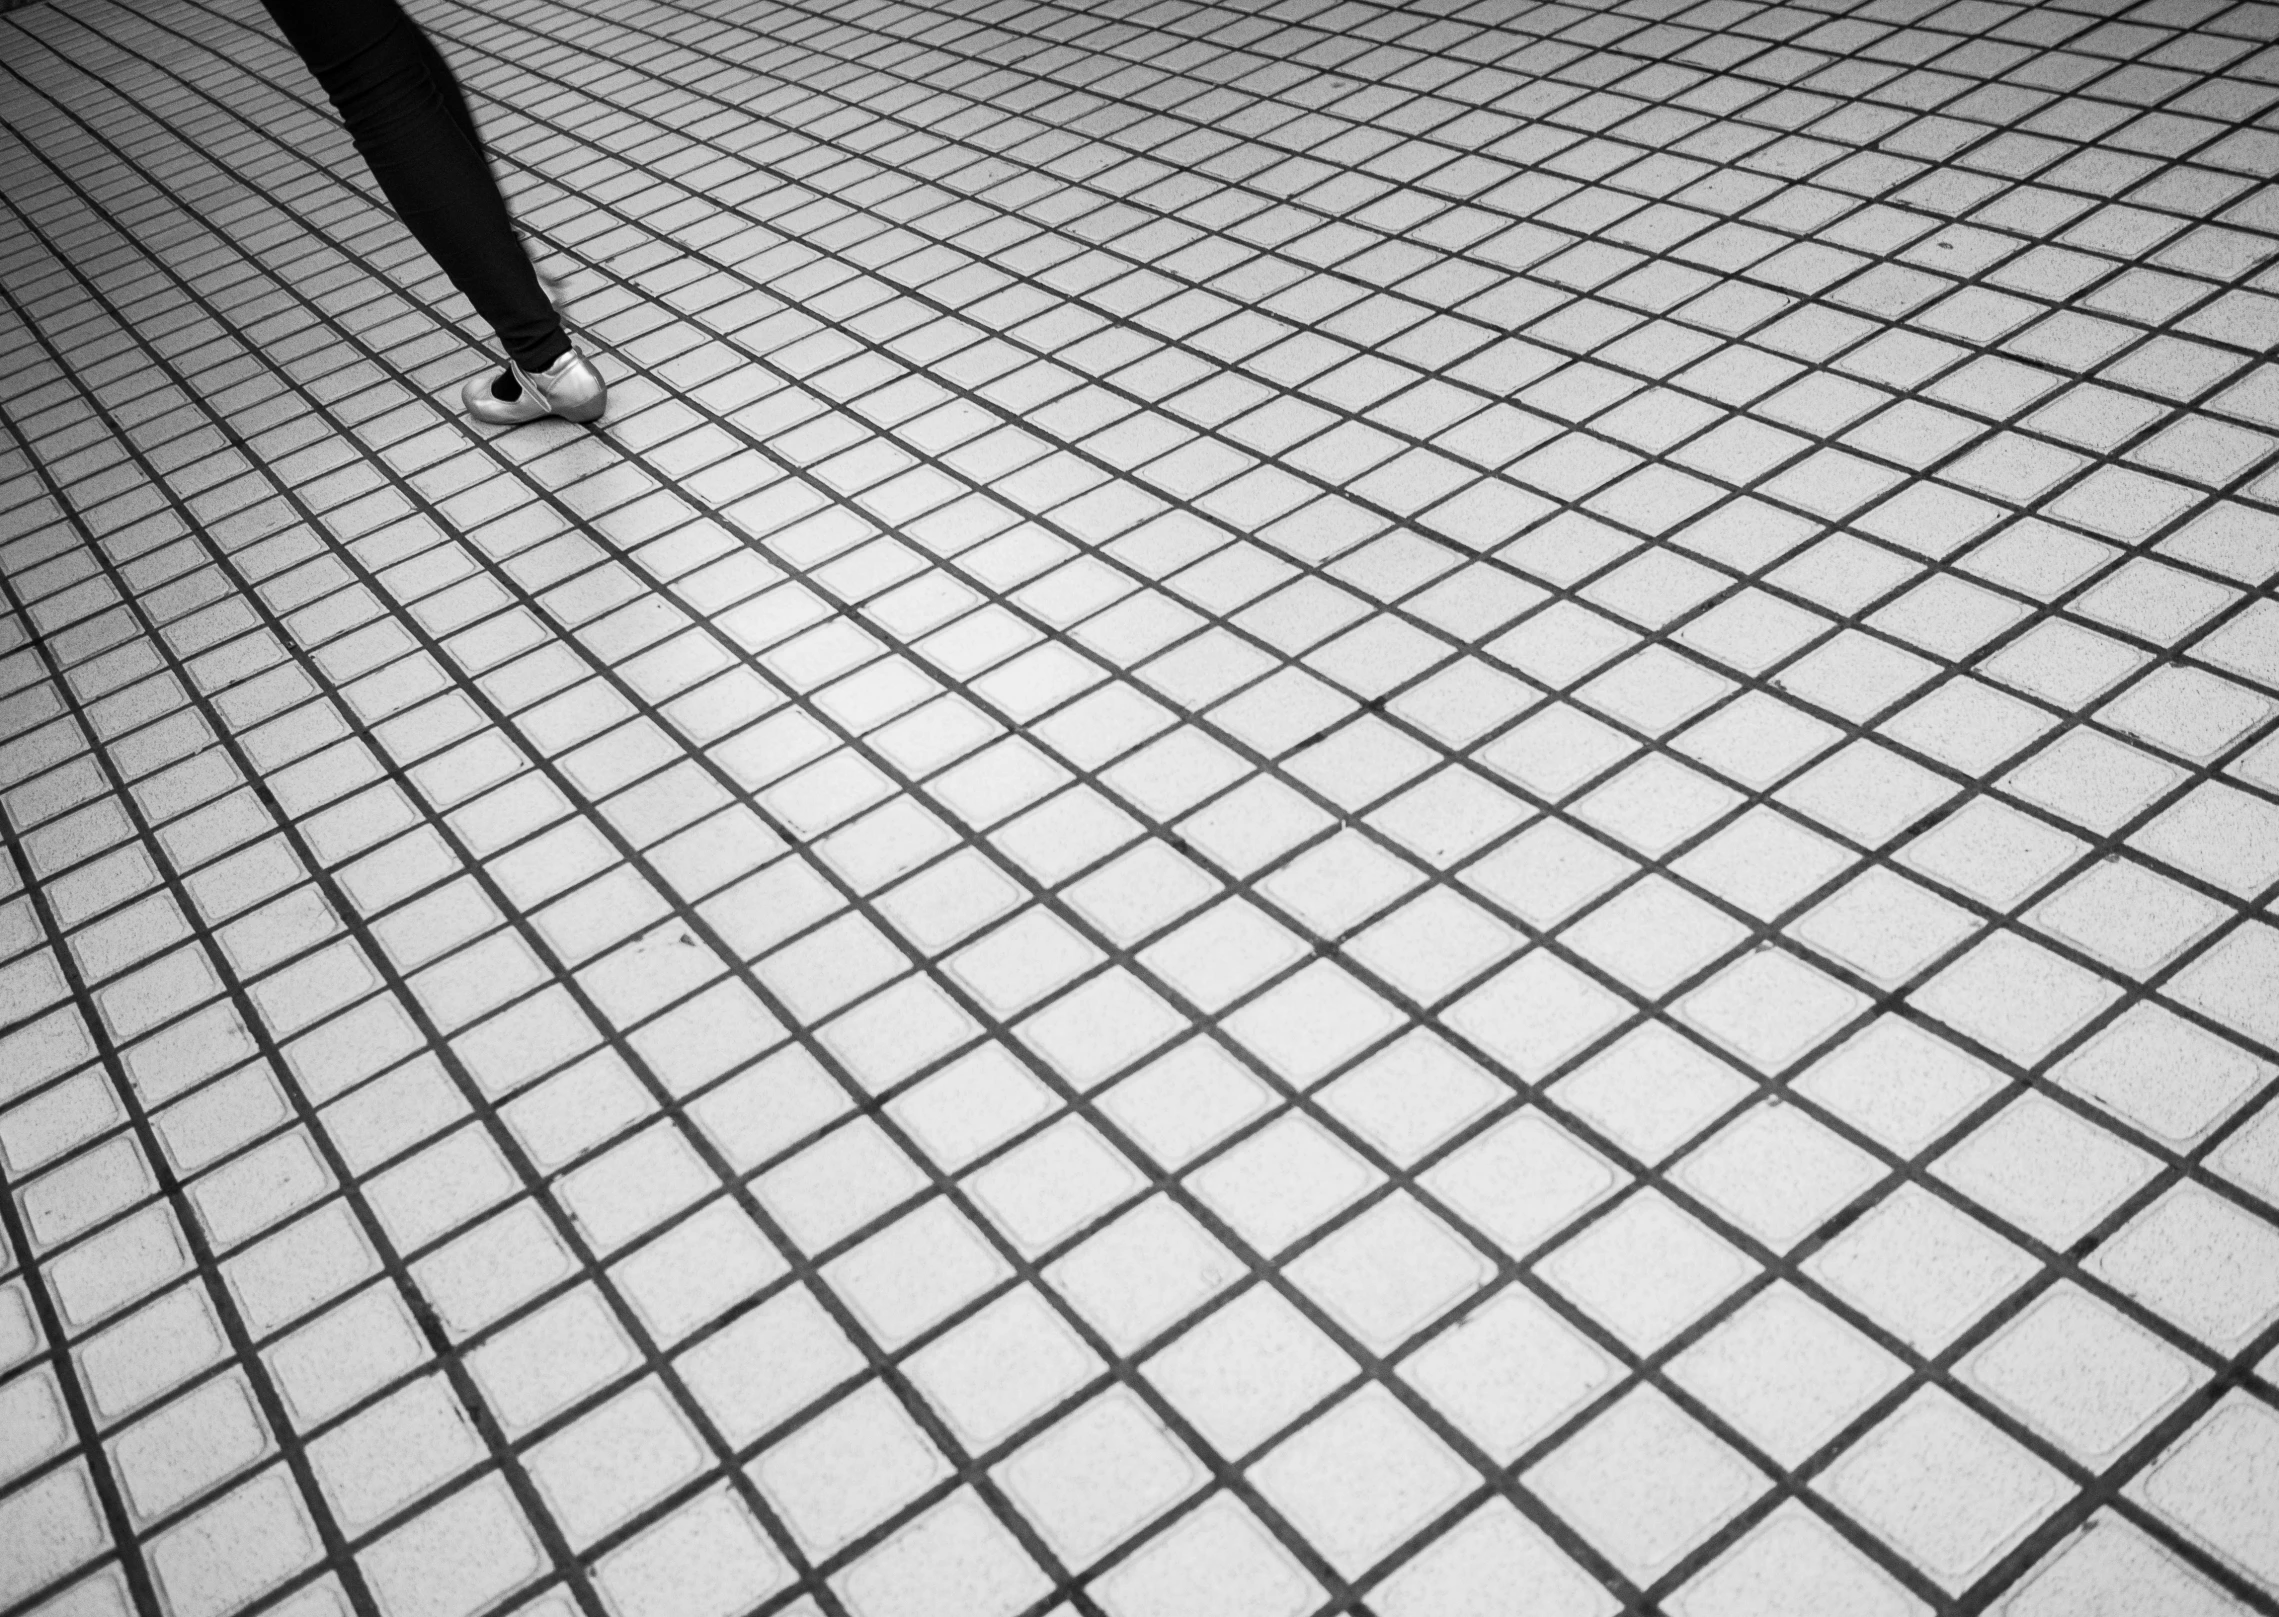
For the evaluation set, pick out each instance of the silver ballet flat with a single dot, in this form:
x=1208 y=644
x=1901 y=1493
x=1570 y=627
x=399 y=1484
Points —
x=570 y=388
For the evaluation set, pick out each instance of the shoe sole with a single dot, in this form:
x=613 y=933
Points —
x=584 y=414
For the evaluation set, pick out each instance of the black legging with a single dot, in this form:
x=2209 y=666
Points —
x=409 y=118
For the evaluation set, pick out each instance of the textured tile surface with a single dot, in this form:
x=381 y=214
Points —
x=1314 y=808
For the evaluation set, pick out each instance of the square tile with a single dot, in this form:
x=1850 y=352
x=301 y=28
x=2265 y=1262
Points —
x=1644 y=1483
x=2201 y=1262
x=1097 y=1476
x=1481 y=1559
x=1651 y=1091
x=1218 y=1561
x=2128 y=915
x=1945 y=1488
x=1509 y=1372
x=2045 y=1170
x=1884 y=927
x=1899 y=1084
x=1053 y=1184
x=1787 y=1373
x=1777 y=1174
x=1434 y=944
x=2207 y=1486
x=1647 y=1270
x=707 y=1559
x=993 y=1373
x=1535 y=1014
x=1653 y=935
x=603 y=1469
x=1791 y=1565
x=1991 y=853
x=1181 y=1104
x=848 y=1469
x=1312 y=1022
x=1522 y=1181
x=1923 y=1271
x=1361 y=1479
x=1146 y=1271
x=1412 y=1096
x=1390 y=1272
x=1769 y=1008
x=954 y=1558
x=2081 y=1374
x=1281 y=1183
x=1248 y=1370
x=2014 y=996
x=2111 y=1558
x=1764 y=863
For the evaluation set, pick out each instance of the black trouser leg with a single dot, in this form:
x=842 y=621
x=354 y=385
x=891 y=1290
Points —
x=410 y=121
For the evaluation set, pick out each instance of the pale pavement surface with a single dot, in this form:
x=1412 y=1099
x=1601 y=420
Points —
x=1314 y=808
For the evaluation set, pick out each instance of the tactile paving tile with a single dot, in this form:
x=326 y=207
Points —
x=1314 y=807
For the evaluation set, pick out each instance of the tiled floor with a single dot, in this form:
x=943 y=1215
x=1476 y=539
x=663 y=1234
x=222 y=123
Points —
x=1429 y=811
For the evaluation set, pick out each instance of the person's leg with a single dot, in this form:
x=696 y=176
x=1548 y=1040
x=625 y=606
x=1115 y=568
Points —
x=454 y=98
x=411 y=123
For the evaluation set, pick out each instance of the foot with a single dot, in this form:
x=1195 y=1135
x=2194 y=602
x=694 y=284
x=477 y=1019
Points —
x=571 y=388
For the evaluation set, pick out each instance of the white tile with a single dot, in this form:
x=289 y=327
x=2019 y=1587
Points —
x=1786 y=1372
x=1919 y=1268
x=1248 y=1370
x=848 y=1469
x=1053 y=1184
x=2081 y=1374
x=1186 y=1101
x=1471 y=1569
x=1536 y=1013
x=1790 y=1565
x=188 y=1446
x=241 y=1545
x=1411 y=1096
x=1898 y=1083
x=2207 y=1485
x=1358 y=1480
x=1651 y=1092
x=2115 y=1558
x=1097 y=1476
x=2045 y=1170
x=390 y=1454
x=707 y=1559
x=2203 y=1263
x=766 y=1366
x=1644 y=1484
x=1509 y=1372
x=1217 y=1561
x=908 y=1276
x=604 y=1467
x=1945 y=1488
x=1522 y=1181
x=1390 y=1272
x=1143 y=1273
x=1281 y=1183
x=1005 y=1365
x=1777 y=1174
x=1646 y=1270
x=1769 y=1008
x=954 y=1558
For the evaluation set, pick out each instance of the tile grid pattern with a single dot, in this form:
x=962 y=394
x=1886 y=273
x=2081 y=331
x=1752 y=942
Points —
x=1542 y=577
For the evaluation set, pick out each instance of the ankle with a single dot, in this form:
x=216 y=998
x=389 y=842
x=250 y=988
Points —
x=546 y=358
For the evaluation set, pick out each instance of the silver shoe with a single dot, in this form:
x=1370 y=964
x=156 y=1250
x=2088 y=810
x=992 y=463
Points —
x=570 y=388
